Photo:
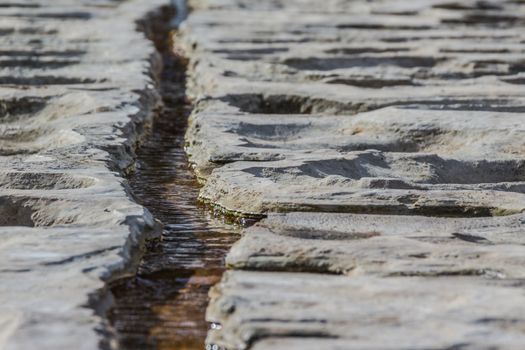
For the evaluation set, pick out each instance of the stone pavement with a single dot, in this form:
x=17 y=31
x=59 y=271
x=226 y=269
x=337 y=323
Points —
x=380 y=140
x=383 y=140
x=76 y=83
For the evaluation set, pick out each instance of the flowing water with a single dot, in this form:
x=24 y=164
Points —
x=163 y=306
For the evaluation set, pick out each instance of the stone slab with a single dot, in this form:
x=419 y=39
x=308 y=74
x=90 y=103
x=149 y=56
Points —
x=264 y=310
x=77 y=82
x=382 y=141
x=381 y=245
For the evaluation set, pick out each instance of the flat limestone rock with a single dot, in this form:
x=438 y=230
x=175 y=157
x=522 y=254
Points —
x=351 y=57
x=220 y=134
x=291 y=85
x=267 y=310
x=369 y=182
x=383 y=142
x=77 y=79
x=383 y=245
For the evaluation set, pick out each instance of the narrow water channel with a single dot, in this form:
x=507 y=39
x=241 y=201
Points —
x=163 y=306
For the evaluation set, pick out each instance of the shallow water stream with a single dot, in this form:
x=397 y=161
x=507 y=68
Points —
x=163 y=306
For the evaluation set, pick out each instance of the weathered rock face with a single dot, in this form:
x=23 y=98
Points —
x=312 y=311
x=77 y=79
x=433 y=90
x=384 y=245
x=383 y=140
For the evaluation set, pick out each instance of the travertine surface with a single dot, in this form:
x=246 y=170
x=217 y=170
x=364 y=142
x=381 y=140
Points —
x=383 y=140
x=261 y=310
x=77 y=79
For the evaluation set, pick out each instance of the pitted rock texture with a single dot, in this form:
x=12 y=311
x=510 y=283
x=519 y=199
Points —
x=77 y=81
x=383 y=141
x=262 y=310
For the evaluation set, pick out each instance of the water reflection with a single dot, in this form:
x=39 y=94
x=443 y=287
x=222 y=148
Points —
x=163 y=306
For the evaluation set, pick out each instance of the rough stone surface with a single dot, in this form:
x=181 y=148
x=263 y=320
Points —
x=77 y=79
x=383 y=141
x=261 y=310
x=309 y=87
x=384 y=245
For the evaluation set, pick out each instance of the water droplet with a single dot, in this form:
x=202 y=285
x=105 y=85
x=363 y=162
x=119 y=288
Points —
x=215 y=326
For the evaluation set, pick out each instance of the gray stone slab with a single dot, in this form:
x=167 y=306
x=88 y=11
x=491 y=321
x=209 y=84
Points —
x=369 y=182
x=77 y=80
x=221 y=134
x=383 y=245
x=397 y=126
x=259 y=310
